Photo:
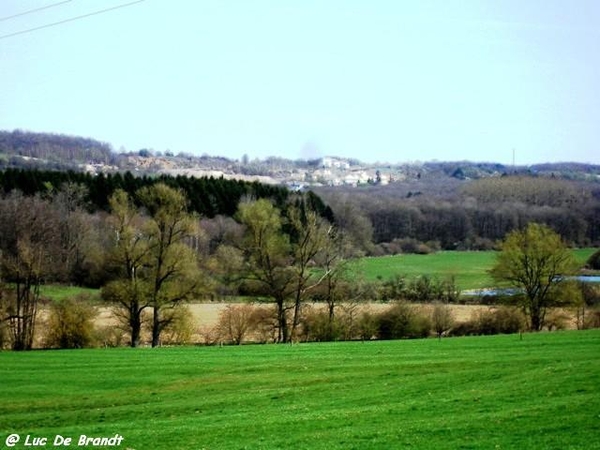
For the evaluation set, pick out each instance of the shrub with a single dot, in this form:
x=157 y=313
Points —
x=71 y=323
x=592 y=319
x=235 y=322
x=4 y=341
x=3 y=335
x=557 y=320
x=502 y=320
x=110 y=336
x=590 y=293
x=593 y=261
x=441 y=319
x=403 y=321
x=367 y=325
x=180 y=328
x=423 y=288
x=264 y=323
x=509 y=320
x=316 y=326
x=406 y=245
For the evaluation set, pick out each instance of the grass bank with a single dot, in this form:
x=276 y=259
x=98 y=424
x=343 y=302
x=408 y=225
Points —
x=479 y=392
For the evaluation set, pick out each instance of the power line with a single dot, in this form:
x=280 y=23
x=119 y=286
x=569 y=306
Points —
x=71 y=19
x=31 y=11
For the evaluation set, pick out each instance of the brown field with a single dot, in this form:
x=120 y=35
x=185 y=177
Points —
x=205 y=317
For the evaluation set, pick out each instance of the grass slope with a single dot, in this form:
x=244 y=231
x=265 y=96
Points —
x=468 y=393
x=470 y=269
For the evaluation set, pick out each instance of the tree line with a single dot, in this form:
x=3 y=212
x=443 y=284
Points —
x=55 y=147
x=153 y=247
x=207 y=196
x=432 y=214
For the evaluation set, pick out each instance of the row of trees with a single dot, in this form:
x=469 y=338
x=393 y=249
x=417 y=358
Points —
x=207 y=197
x=150 y=253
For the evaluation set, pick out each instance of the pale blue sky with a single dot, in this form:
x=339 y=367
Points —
x=375 y=80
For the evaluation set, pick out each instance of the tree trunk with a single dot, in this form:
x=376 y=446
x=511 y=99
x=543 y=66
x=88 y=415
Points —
x=536 y=317
x=136 y=327
x=283 y=335
x=156 y=327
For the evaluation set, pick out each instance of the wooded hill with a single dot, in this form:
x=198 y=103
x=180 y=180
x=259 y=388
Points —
x=21 y=148
x=24 y=149
x=428 y=206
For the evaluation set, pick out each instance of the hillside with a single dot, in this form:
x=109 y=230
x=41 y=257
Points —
x=22 y=149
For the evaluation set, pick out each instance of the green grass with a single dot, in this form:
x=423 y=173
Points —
x=60 y=292
x=470 y=269
x=541 y=392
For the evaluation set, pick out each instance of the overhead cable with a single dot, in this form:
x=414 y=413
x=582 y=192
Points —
x=31 y=11
x=72 y=19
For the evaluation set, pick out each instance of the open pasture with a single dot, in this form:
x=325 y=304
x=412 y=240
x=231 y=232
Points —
x=479 y=392
x=469 y=268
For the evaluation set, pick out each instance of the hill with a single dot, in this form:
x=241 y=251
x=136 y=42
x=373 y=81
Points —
x=24 y=149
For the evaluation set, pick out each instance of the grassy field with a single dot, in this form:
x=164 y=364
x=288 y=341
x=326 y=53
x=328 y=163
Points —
x=61 y=292
x=468 y=268
x=541 y=392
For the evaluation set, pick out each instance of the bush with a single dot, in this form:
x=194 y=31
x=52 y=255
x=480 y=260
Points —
x=4 y=339
x=235 y=322
x=406 y=245
x=180 y=328
x=592 y=319
x=556 y=320
x=316 y=326
x=593 y=261
x=110 y=336
x=71 y=323
x=441 y=319
x=502 y=320
x=4 y=342
x=423 y=288
x=403 y=321
x=264 y=323
x=590 y=293
x=367 y=326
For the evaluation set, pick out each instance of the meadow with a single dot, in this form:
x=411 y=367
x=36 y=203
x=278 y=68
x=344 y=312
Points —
x=469 y=268
x=458 y=393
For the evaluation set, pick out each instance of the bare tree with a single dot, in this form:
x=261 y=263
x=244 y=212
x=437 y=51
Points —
x=441 y=318
x=29 y=245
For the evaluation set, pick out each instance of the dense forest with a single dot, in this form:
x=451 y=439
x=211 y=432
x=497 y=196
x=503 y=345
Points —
x=451 y=214
x=207 y=197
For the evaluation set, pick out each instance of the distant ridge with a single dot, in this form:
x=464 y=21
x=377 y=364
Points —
x=50 y=151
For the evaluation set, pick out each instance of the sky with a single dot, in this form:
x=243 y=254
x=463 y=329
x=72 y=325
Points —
x=381 y=81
